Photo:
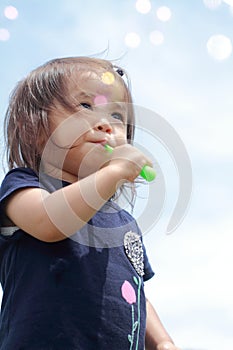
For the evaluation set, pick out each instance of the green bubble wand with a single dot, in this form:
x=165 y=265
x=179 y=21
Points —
x=147 y=172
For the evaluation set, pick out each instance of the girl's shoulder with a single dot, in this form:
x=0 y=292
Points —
x=20 y=178
x=16 y=179
x=19 y=173
x=20 y=170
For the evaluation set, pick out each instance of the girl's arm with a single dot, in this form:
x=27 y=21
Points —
x=53 y=217
x=157 y=337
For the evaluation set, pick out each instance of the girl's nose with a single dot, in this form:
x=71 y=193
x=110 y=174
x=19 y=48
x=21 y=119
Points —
x=103 y=126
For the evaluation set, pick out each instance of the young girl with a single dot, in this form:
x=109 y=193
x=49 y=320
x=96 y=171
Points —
x=72 y=262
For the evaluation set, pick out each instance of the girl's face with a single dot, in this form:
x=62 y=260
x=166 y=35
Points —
x=76 y=146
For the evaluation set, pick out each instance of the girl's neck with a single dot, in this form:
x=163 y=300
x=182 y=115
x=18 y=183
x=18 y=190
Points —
x=59 y=173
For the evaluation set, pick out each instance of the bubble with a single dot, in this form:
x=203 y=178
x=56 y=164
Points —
x=152 y=126
x=11 y=12
x=231 y=10
x=212 y=4
x=100 y=100
x=108 y=78
x=164 y=13
x=4 y=34
x=228 y=2
x=143 y=6
x=156 y=37
x=132 y=40
x=219 y=47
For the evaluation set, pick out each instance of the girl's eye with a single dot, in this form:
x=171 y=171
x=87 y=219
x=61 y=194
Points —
x=86 y=105
x=118 y=116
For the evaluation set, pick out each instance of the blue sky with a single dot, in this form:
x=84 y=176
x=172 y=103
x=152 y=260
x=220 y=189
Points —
x=182 y=82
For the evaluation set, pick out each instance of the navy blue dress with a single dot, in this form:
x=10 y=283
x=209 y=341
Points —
x=81 y=293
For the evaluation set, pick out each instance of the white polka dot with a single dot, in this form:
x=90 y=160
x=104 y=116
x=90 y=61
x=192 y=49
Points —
x=11 y=12
x=219 y=47
x=164 y=13
x=132 y=40
x=4 y=34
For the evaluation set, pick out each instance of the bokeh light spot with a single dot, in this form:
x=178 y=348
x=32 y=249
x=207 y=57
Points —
x=164 y=13
x=4 y=34
x=228 y=2
x=156 y=37
x=219 y=47
x=108 y=78
x=11 y=12
x=231 y=10
x=212 y=4
x=132 y=40
x=143 y=6
x=100 y=100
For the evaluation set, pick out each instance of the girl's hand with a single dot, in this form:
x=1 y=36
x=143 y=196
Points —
x=129 y=161
x=167 y=345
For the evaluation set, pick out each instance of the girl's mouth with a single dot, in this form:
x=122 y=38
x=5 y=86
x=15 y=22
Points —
x=101 y=142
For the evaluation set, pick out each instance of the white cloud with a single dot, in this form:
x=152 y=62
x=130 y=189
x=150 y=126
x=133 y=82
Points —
x=193 y=289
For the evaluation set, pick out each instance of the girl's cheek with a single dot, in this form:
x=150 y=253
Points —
x=69 y=131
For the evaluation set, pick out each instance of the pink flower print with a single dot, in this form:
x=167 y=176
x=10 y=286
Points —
x=128 y=292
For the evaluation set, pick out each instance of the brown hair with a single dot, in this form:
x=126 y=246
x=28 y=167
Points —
x=27 y=117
